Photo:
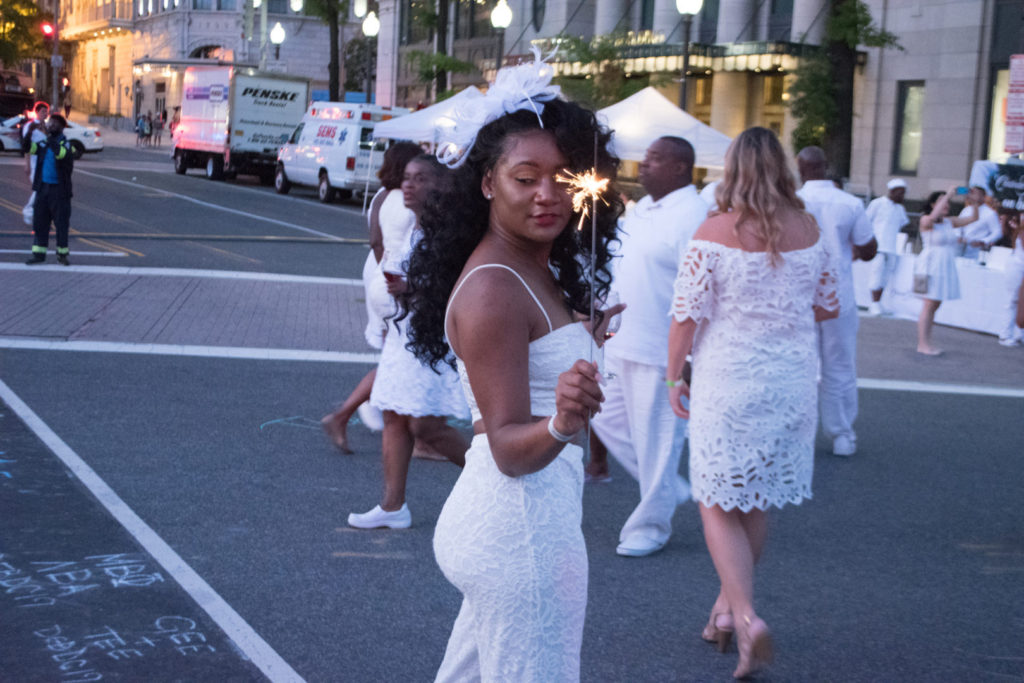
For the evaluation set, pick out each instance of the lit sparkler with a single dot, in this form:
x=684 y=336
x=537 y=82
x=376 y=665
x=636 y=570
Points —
x=584 y=187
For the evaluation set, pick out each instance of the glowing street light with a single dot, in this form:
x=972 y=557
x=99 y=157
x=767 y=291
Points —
x=687 y=8
x=371 y=27
x=277 y=37
x=501 y=18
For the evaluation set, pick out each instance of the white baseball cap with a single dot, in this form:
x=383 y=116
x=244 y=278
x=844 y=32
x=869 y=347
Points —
x=897 y=182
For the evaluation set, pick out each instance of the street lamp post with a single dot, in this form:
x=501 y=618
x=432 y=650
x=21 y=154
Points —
x=371 y=27
x=277 y=37
x=501 y=17
x=687 y=8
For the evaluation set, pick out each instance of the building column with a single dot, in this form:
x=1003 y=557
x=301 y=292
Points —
x=736 y=21
x=387 y=53
x=729 y=102
x=607 y=15
x=809 y=17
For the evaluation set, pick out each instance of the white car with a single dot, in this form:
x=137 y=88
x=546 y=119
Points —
x=83 y=139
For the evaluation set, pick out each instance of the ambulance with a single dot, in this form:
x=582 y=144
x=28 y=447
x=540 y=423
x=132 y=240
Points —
x=333 y=150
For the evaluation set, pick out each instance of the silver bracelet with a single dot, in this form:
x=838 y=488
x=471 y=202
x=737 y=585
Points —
x=557 y=435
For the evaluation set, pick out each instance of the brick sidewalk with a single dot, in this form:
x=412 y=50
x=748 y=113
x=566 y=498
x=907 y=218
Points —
x=88 y=304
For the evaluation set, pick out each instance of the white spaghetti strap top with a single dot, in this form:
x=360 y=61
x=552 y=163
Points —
x=518 y=277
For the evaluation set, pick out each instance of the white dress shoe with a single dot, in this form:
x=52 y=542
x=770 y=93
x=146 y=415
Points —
x=639 y=546
x=378 y=518
x=874 y=308
x=844 y=446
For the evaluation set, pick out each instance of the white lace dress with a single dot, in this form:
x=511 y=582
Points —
x=514 y=547
x=403 y=384
x=753 y=400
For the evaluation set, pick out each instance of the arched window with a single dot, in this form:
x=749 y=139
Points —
x=207 y=52
x=538 y=14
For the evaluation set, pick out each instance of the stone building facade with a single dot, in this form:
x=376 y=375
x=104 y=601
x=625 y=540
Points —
x=129 y=56
x=924 y=113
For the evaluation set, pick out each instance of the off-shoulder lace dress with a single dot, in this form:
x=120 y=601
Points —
x=753 y=397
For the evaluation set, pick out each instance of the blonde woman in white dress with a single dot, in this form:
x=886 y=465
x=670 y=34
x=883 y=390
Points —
x=756 y=278
x=935 y=277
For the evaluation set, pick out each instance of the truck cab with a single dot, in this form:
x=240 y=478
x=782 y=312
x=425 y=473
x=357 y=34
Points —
x=333 y=150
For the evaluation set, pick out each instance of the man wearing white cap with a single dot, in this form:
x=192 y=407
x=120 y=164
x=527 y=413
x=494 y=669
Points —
x=887 y=216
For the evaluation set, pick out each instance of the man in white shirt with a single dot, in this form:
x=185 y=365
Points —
x=887 y=216
x=847 y=233
x=984 y=232
x=636 y=422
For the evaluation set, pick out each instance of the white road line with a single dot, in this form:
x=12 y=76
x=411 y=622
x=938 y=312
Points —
x=76 y=254
x=248 y=641
x=241 y=352
x=188 y=272
x=939 y=388
x=200 y=202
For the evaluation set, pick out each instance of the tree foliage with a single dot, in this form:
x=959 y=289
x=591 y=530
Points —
x=334 y=13
x=360 y=61
x=821 y=95
x=605 y=81
x=20 y=35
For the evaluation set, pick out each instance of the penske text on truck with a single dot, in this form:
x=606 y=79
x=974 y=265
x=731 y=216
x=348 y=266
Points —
x=234 y=119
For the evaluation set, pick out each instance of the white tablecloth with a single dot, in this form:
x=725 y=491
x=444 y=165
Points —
x=982 y=292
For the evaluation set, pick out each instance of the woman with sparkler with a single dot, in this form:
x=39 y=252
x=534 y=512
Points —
x=755 y=279
x=502 y=276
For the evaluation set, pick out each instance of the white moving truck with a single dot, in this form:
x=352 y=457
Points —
x=234 y=119
x=333 y=150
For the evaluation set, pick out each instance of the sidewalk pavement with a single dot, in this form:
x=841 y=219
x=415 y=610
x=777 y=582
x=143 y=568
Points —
x=223 y=313
x=122 y=138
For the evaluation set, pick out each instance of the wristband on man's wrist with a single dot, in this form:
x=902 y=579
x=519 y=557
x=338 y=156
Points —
x=677 y=383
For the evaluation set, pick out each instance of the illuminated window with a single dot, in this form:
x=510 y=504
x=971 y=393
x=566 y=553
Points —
x=907 y=140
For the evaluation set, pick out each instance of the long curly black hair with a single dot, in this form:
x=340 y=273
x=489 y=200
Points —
x=453 y=223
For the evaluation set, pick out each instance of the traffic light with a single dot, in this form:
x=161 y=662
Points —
x=49 y=31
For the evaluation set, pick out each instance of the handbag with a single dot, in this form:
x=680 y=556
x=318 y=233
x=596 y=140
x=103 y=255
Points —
x=921 y=283
x=28 y=211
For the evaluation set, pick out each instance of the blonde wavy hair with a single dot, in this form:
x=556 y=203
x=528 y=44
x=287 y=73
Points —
x=757 y=184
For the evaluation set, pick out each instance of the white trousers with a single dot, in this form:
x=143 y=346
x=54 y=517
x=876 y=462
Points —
x=837 y=389
x=1014 y=275
x=883 y=267
x=640 y=430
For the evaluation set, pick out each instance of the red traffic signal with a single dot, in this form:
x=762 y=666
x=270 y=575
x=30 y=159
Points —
x=47 y=28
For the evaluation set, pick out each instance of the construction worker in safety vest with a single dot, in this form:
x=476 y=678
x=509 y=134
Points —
x=52 y=185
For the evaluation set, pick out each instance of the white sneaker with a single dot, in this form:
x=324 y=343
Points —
x=844 y=446
x=1010 y=341
x=639 y=546
x=875 y=308
x=370 y=416
x=378 y=518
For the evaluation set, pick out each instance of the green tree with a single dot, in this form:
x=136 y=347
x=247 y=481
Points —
x=606 y=81
x=334 y=13
x=20 y=35
x=821 y=96
x=360 y=61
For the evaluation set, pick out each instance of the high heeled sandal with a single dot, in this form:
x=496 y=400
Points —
x=757 y=652
x=719 y=635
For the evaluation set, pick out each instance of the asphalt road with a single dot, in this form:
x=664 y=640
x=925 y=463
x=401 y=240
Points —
x=906 y=566
x=130 y=208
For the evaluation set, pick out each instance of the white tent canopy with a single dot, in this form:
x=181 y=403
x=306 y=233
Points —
x=640 y=119
x=425 y=125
